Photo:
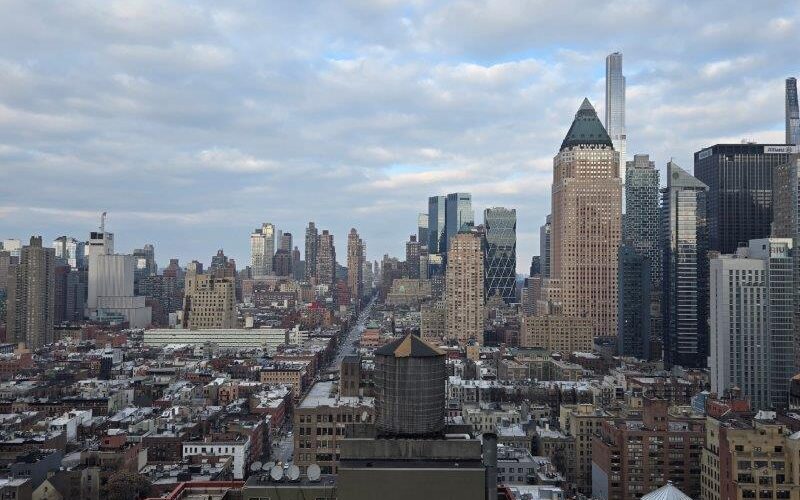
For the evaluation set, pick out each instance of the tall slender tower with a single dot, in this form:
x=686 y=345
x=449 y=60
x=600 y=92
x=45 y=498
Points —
x=31 y=296
x=262 y=249
x=792 y=113
x=684 y=232
x=312 y=242
x=458 y=214
x=436 y=224
x=586 y=232
x=615 y=105
x=412 y=257
x=326 y=259
x=500 y=253
x=464 y=299
x=355 y=267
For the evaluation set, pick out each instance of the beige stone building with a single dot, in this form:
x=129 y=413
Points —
x=464 y=299
x=432 y=320
x=557 y=333
x=408 y=292
x=355 y=266
x=209 y=302
x=583 y=422
x=586 y=224
x=31 y=296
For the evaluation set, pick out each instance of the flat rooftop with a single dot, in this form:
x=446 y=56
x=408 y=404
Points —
x=322 y=394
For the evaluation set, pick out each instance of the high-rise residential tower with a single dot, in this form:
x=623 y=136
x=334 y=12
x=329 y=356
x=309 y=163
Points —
x=751 y=322
x=436 y=224
x=326 y=259
x=500 y=253
x=312 y=243
x=286 y=242
x=355 y=266
x=640 y=303
x=586 y=232
x=792 y=113
x=412 y=257
x=31 y=296
x=739 y=180
x=615 y=105
x=464 y=301
x=262 y=249
x=684 y=302
x=458 y=214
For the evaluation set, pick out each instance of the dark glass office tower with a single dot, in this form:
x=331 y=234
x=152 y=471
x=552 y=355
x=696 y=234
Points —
x=792 y=113
x=685 y=269
x=436 y=224
x=500 y=253
x=633 y=325
x=458 y=213
x=739 y=180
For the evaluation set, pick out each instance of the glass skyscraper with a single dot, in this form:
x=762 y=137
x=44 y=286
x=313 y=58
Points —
x=739 y=180
x=792 y=113
x=633 y=327
x=685 y=269
x=458 y=214
x=615 y=105
x=436 y=224
x=544 y=245
x=500 y=253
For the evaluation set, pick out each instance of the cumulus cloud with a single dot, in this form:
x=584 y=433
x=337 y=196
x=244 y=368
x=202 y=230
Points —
x=193 y=122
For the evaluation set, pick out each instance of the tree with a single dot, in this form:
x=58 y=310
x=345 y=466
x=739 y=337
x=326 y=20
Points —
x=126 y=486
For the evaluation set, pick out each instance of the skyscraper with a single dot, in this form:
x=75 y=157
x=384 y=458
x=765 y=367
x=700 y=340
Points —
x=792 y=113
x=739 y=180
x=685 y=269
x=458 y=214
x=262 y=249
x=422 y=229
x=751 y=322
x=71 y=251
x=312 y=242
x=464 y=299
x=500 y=253
x=436 y=224
x=544 y=245
x=640 y=253
x=286 y=242
x=586 y=232
x=31 y=296
x=355 y=266
x=412 y=257
x=326 y=259
x=615 y=105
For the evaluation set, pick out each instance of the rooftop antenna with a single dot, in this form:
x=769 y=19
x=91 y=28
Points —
x=103 y=222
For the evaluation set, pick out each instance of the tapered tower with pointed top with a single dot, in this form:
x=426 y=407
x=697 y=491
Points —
x=586 y=223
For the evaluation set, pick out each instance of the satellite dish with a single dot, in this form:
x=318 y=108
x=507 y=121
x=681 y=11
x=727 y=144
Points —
x=276 y=473
x=294 y=473
x=255 y=466
x=267 y=466
x=364 y=416
x=313 y=472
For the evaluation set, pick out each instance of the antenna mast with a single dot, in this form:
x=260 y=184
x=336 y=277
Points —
x=103 y=223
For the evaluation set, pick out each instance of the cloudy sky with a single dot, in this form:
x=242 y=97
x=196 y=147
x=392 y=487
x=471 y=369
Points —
x=193 y=122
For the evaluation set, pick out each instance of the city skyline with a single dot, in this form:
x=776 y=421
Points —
x=444 y=112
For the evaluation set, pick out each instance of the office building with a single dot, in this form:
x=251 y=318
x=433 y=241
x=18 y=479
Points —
x=70 y=290
x=586 y=232
x=500 y=253
x=459 y=215
x=536 y=266
x=282 y=263
x=792 y=113
x=31 y=296
x=422 y=229
x=326 y=259
x=557 y=333
x=71 y=251
x=685 y=269
x=436 y=224
x=464 y=288
x=751 y=322
x=13 y=246
x=209 y=302
x=739 y=180
x=640 y=260
x=412 y=257
x=312 y=241
x=433 y=320
x=633 y=336
x=298 y=265
x=262 y=249
x=355 y=266
x=544 y=245
x=583 y=423
x=634 y=456
x=615 y=105
x=286 y=242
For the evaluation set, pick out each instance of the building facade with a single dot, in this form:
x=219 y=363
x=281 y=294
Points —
x=355 y=265
x=209 y=302
x=262 y=249
x=500 y=253
x=458 y=215
x=586 y=227
x=615 y=105
x=792 y=113
x=436 y=224
x=31 y=296
x=326 y=259
x=464 y=288
x=685 y=269
x=634 y=324
x=312 y=241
